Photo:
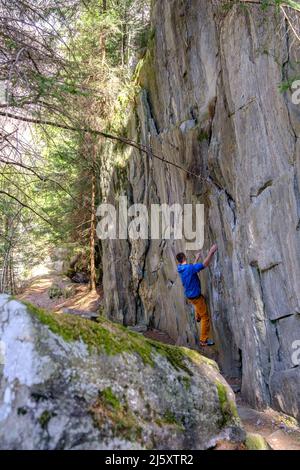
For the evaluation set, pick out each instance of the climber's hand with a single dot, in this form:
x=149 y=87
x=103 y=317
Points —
x=213 y=249
x=211 y=253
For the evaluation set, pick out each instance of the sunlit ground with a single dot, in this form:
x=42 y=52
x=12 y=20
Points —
x=81 y=298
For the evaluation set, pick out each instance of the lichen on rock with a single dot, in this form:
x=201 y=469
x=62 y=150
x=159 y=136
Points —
x=69 y=383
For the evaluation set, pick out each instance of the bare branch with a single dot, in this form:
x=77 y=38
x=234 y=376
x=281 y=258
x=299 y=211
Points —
x=11 y=196
x=124 y=140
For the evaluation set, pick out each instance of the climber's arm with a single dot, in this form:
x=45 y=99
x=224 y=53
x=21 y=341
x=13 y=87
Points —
x=210 y=255
x=206 y=262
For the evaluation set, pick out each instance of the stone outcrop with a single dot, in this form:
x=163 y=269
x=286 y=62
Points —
x=210 y=102
x=69 y=383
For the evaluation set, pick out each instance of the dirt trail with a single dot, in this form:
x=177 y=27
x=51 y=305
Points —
x=80 y=298
x=279 y=430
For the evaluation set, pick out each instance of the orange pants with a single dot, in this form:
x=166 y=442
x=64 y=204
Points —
x=201 y=315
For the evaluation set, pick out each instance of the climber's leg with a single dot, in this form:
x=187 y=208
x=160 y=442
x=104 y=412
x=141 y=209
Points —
x=202 y=309
x=202 y=315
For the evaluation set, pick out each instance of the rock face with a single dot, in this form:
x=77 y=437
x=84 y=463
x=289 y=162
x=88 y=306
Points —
x=68 y=383
x=210 y=102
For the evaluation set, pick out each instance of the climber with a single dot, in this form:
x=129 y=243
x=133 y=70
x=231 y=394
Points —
x=192 y=289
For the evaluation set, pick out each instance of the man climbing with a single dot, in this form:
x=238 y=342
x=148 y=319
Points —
x=192 y=289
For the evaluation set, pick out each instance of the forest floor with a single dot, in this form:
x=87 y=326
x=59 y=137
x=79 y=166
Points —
x=79 y=297
x=279 y=430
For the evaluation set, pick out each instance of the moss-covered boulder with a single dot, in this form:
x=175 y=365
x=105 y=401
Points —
x=69 y=383
x=256 y=442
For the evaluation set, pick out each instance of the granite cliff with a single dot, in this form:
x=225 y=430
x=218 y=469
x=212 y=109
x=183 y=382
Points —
x=210 y=102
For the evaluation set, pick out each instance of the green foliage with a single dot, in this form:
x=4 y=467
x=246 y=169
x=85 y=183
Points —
x=55 y=87
x=265 y=4
x=19 y=225
x=84 y=81
x=59 y=195
x=119 y=120
x=289 y=3
x=277 y=3
x=231 y=3
x=287 y=85
x=55 y=292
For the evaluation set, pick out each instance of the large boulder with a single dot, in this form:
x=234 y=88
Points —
x=68 y=383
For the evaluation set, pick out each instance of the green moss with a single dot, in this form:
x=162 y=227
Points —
x=123 y=422
x=186 y=381
x=102 y=336
x=45 y=418
x=110 y=399
x=233 y=409
x=175 y=355
x=198 y=359
x=228 y=407
x=169 y=417
x=138 y=69
x=256 y=442
x=222 y=392
x=111 y=338
x=146 y=72
x=202 y=136
x=151 y=36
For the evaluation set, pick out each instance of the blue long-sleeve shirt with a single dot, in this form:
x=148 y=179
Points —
x=190 y=279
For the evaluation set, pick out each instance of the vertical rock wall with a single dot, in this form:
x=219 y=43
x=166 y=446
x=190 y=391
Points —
x=210 y=102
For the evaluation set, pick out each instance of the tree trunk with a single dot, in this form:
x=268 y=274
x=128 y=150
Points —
x=124 y=43
x=3 y=281
x=93 y=225
x=11 y=274
x=13 y=278
x=102 y=45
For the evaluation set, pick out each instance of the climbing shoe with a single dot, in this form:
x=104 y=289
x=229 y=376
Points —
x=208 y=342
